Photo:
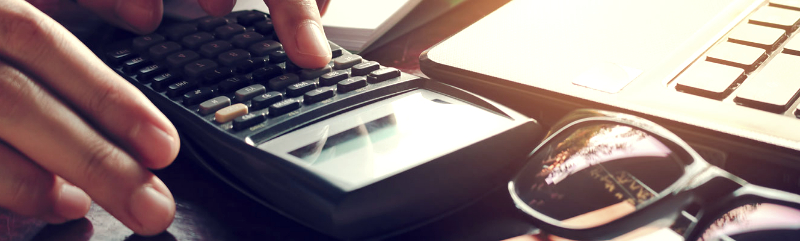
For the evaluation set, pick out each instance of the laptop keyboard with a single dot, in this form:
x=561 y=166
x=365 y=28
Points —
x=756 y=65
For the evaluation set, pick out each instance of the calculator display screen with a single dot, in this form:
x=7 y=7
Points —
x=376 y=141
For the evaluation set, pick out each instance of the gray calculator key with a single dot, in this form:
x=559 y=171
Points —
x=307 y=74
x=346 y=61
x=247 y=93
x=213 y=105
x=774 y=88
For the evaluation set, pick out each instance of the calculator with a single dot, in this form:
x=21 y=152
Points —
x=354 y=149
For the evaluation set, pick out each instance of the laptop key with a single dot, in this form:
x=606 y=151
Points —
x=776 y=18
x=774 y=88
x=737 y=55
x=710 y=80
x=792 y=47
x=757 y=36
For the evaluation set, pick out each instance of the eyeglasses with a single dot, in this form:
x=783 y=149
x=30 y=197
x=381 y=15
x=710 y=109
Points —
x=600 y=174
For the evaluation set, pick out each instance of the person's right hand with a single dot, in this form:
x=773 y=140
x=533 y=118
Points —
x=71 y=129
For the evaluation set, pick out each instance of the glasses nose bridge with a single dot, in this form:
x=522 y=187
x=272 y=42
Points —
x=712 y=185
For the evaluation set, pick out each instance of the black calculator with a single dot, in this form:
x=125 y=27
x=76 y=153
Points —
x=354 y=149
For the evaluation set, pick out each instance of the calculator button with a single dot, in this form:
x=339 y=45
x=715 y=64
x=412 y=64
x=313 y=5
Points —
x=757 y=36
x=217 y=75
x=308 y=74
x=383 y=75
x=143 y=43
x=291 y=67
x=134 y=64
x=317 y=95
x=213 y=49
x=229 y=113
x=346 y=61
x=144 y=74
x=263 y=74
x=176 y=32
x=281 y=82
x=265 y=100
x=364 y=68
x=118 y=56
x=776 y=18
x=159 y=51
x=707 y=79
x=228 y=31
x=774 y=88
x=351 y=84
x=195 y=40
x=232 y=84
x=277 y=56
x=248 y=120
x=737 y=55
x=250 y=18
x=246 y=39
x=248 y=65
x=283 y=107
x=264 y=27
x=331 y=78
x=301 y=88
x=263 y=48
x=196 y=96
x=160 y=82
x=231 y=57
x=182 y=58
x=179 y=88
x=788 y=4
x=336 y=51
x=199 y=67
x=212 y=105
x=247 y=93
x=211 y=23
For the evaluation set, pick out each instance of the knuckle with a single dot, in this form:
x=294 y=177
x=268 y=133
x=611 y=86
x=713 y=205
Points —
x=101 y=158
x=16 y=93
x=105 y=97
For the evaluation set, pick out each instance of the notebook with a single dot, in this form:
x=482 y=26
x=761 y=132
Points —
x=722 y=74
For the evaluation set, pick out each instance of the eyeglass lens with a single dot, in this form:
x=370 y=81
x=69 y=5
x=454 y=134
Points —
x=758 y=221
x=590 y=175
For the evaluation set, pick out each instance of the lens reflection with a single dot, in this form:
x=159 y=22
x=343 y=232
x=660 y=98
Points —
x=760 y=221
x=591 y=175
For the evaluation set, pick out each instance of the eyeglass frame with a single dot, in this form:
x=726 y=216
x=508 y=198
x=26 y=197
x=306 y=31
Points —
x=716 y=190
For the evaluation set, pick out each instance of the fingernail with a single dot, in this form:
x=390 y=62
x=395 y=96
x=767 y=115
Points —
x=72 y=203
x=311 y=40
x=152 y=209
x=139 y=14
x=152 y=143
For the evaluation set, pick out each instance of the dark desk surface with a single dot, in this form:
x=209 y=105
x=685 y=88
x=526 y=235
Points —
x=207 y=209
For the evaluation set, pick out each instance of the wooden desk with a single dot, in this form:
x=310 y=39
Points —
x=207 y=209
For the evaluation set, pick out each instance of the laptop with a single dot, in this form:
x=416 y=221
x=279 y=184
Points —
x=722 y=74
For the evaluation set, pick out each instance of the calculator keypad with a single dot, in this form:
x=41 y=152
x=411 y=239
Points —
x=233 y=73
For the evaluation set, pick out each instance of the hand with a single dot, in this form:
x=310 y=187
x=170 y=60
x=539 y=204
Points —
x=71 y=129
x=297 y=22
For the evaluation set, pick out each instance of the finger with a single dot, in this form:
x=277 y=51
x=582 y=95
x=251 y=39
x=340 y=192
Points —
x=29 y=190
x=39 y=45
x=217 y=7
x=139 y=16
x=51 y=134
x=298 y=25
x=323 y=6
